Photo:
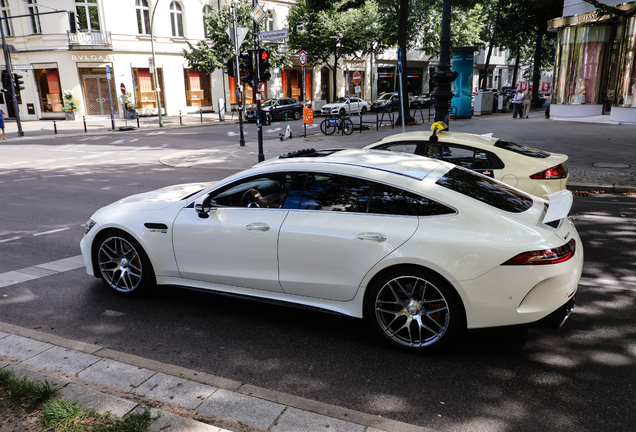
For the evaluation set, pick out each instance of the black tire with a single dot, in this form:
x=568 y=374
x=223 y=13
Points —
x=347 y=127
x=297 y=115
x=343 y=111
x=122 y=264
x=327 y=128
x=415 y=309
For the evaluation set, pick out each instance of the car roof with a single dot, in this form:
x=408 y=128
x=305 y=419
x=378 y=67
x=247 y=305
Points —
x=404 y=164
x=482 y=141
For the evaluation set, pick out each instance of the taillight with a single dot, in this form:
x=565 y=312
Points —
x=546 y=256
x=556 y=172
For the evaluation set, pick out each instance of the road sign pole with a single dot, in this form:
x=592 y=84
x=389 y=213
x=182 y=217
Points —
x=257 y=79
x=237 y=78
x=400 y=69
x=304 y=102
x=110 y=96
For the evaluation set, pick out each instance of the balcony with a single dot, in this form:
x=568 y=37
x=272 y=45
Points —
x=85 y=40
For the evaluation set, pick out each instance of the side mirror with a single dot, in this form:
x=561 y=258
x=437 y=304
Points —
x=202 y=206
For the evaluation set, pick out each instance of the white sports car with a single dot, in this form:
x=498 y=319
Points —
x=341 y=106
x=420 y=247
x=534 y=171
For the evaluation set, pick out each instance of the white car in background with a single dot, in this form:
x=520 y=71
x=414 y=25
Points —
x=533 y=171
x=420 y=247
x=341 y=106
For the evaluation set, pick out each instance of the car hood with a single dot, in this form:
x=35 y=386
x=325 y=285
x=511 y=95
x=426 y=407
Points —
x=333 y=105
x=380 y=102
x=157 y=199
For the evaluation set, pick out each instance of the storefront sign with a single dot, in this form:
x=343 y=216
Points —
x=93 y=57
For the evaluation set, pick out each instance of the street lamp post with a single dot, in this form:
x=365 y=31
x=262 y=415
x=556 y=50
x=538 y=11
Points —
x=154 y=63
x=444 y=76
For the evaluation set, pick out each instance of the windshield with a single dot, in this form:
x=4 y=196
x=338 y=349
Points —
x=521 y=149
x=385 y=96
x=268 y=102
x=340 y=100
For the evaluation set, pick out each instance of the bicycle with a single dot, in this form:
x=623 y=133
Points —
x=333 y=123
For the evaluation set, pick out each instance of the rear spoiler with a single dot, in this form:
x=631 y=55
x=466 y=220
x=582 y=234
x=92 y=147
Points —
x=559 y=206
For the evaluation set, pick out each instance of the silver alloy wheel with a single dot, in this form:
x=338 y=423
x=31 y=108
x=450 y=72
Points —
x=412 y=312
x=120 y=264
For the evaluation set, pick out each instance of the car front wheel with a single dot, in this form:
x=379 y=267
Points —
x=415 y=309
x=297 y=115
x=123 y=265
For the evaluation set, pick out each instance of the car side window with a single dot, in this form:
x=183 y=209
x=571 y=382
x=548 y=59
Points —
x=329 y=192
x=391 y=200
x=272 y=187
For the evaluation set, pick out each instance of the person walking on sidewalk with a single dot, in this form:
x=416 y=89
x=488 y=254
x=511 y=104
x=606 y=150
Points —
x=527 y=98
x=4 y=138
x=516 y=105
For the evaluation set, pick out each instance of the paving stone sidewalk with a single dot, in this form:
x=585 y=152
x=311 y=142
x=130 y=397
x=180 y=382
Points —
x=105 y=380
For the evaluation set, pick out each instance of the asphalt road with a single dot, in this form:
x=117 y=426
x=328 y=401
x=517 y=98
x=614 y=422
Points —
x=581 y=377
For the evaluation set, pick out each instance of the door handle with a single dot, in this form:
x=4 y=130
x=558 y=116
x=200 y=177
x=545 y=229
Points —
x=258 y=226
x=372 y=236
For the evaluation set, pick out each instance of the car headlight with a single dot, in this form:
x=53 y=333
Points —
x=89 y=225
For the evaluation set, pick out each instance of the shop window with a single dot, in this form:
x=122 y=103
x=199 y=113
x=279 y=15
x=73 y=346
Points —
x=248 y=93
x=87 y=15
x=352 y=86
x=579 y=56
x=34 y=18
x=176 y=19
x=48 y=82
x=292 y=80
x=386 y=80
x=198 y=88
x=144 y=86
x=626 y=91
x=6 y=13
x=143 y=16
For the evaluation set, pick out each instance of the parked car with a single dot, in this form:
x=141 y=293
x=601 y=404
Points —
x=421 y=101
x=386 y=102
x=420 y=247
x=341 y=106
x=534 y=171
x=278 y=108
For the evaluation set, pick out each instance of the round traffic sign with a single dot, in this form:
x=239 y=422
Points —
x=122 y=87
x=356 y=78
x=302 y=58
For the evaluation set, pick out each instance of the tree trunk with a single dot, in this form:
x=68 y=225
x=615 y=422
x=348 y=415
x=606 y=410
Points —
x=334 y=74
x=515 y=71
x=536 y=73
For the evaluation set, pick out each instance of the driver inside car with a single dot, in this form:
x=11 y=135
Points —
x=274 y=200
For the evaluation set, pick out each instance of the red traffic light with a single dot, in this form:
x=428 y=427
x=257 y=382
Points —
x=264 y=55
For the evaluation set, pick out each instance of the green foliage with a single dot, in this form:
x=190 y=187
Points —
x=70 y=103
x=128 y=102
x=23 y=390
x=208 y=58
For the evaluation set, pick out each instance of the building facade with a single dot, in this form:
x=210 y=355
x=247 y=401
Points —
x=595 y=65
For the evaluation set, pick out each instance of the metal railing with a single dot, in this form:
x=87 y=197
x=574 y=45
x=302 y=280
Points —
x=86 y=39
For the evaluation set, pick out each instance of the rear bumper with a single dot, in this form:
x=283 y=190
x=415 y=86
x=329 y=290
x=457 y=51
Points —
x=557 y=318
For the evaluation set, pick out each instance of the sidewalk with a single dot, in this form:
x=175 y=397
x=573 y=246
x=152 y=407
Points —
x=106 y=380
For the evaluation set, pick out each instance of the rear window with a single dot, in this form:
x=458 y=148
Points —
x=486 y=190
x=521 y=149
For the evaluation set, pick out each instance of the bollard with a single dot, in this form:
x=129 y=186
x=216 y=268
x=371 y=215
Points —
x=55 y=127
x=137 y=115
x=84 y=120
x=180 y=119
x=201 y=112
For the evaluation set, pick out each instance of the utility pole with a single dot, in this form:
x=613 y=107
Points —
x=444 y=76
x=238 y=76
x=154 y=63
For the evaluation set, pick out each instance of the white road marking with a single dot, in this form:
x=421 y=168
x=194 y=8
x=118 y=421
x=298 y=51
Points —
x=56 y=175
x=50 y=232
x=9 y=239
x=10 y=172
x=602 y=218
x=118 y=142
x=41 y=270
x=25 y=179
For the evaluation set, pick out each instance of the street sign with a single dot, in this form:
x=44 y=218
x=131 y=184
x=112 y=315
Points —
x=122 y=87
x=108 y=71
x=151 y=65
x=273 y=35
x=400 y=60
x=257 y=13
x=302 y=58
x=241 y=31
x=356 y=78
x=358 y=89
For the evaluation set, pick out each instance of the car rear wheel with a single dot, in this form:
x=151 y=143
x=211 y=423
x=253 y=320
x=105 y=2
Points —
x=363 y=110
x=123 y=265
x=415 y=309
x=296 y=115
x=342 y=111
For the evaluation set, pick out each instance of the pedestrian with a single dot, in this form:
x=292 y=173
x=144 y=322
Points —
x=527 y=98
x=516 y=105
x=4 y=138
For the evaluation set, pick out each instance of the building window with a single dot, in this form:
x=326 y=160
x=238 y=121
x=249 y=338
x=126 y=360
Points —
x=34 y=18
x=48 y=82
x=626 y=91
x=198 y=88
x=270 y=20
x=206 y=11
x=6 y=23
x=176 y=19
x=143 y=16
x=87 y=15
x=144 y=86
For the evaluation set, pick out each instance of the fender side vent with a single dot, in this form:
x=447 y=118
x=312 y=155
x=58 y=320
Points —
x=159 y=226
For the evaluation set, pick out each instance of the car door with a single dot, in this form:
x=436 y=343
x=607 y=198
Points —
x=237 y=244
x=329 y=241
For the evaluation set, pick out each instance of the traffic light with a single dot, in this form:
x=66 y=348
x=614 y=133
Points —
x=229 y=67
x=6 y=81
x=263 y=66
x=17 y=83
x=73 y=22
x=247 y=65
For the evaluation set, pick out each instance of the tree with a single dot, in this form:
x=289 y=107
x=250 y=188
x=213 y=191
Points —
x=206 y=58
x=332 y=31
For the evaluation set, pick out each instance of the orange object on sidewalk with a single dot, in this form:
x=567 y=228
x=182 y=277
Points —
x=308 y=114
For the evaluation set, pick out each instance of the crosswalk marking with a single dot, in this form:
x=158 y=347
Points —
x=41 y=270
